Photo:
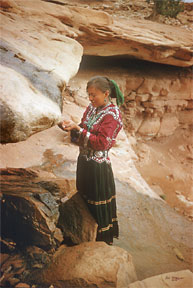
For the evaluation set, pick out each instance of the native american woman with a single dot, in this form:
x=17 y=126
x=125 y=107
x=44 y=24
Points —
x=95 y=135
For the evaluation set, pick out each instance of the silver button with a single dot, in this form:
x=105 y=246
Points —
x=98 y=153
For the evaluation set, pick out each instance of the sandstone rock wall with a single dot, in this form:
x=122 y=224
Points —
x=155 y=105
x=158 y=98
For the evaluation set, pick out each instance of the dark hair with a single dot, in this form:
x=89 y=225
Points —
x=103 y=84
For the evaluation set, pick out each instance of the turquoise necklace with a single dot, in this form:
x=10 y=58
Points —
x=94 y=117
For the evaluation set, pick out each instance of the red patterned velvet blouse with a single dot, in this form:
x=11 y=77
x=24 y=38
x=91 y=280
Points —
x=100 y=128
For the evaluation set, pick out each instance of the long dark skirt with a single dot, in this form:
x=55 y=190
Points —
x=95 y=182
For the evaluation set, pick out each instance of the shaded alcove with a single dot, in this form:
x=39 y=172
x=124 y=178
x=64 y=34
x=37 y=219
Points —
x=98 y=63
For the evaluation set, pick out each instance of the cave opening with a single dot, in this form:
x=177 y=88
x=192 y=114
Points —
x=123 y=62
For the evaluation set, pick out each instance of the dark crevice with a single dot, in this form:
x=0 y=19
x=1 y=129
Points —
x=129 y=64
x=55 y=2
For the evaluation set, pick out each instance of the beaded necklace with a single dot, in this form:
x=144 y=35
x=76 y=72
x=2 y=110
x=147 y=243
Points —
x=94 y=117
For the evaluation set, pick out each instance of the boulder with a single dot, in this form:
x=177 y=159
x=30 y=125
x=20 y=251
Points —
x=37 y=62
x=24 y=109
x=29 y=209
x=35 y=210
x=90 y=264
x=40 y=47
x=178 y=279
x=76 y=222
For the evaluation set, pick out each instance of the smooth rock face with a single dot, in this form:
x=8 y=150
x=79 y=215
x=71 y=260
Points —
x=88 y=265
x=37 y=62
x=168 y=280
x=24 y=109
x=34 y=35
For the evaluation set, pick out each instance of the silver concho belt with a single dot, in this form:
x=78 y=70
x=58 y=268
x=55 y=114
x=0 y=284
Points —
x=91 y=153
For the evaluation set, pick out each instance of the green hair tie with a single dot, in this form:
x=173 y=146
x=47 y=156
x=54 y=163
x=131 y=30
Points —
x=119 y=94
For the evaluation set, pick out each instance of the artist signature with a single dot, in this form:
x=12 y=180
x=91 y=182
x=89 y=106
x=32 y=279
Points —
x=173 y=278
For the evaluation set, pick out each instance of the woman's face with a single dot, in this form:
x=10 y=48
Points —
x=97 y=97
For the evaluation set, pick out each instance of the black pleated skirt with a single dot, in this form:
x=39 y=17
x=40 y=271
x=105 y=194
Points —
x=95 y=182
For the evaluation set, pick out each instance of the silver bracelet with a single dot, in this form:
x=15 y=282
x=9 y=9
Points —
x=81 y=130
x=86 y=139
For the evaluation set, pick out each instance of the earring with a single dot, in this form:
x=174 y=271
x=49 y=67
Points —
x=105 y=100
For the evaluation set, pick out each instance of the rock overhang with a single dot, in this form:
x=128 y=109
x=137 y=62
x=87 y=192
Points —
x=51 y=37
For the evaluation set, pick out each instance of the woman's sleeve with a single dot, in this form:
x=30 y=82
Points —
x=106 y=134
x=84 y=116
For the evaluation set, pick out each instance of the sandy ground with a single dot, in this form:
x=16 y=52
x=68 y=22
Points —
x=166 y=165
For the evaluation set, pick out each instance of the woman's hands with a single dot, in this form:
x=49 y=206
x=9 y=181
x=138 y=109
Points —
x=68 y=125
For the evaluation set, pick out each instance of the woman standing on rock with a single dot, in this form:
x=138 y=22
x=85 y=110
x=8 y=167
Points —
x=100 y=124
